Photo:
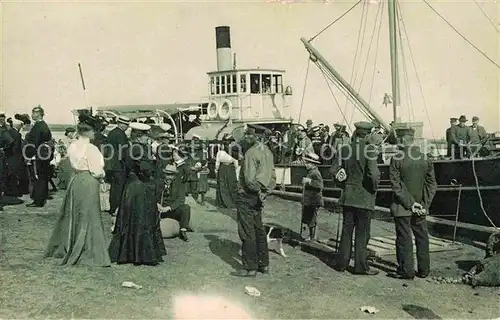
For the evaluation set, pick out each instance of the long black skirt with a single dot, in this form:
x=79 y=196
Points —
x=137 y=235
x=226 y=186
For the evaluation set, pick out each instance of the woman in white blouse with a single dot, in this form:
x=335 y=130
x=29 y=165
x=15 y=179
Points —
x=78 y=237
x=225 y=170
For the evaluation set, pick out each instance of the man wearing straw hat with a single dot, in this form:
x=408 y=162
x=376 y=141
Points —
x=115 y=153
x=257 y=180
x=171 y=202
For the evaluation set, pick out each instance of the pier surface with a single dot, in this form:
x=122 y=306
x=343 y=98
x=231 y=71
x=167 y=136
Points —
x=195 y=280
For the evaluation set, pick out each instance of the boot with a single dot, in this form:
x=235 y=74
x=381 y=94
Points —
x=312 y=233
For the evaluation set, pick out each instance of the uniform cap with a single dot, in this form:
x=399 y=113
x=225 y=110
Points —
x=123 y=119
x=70 y=129
x=316 y=129
x=337 y=125
x=453 y=119
x=39 y=109
x=462 y=119
x=309 y=121
x=364 y=125
x=195 y=136
x=140 y=126
x=164 y=126
x=400 y=132
x=475 y=118
x=255 y=128
x=170 y=168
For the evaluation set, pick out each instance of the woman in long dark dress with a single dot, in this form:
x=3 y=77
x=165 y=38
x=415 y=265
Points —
x=225 y=169
x=137 y=235
x=78 y=237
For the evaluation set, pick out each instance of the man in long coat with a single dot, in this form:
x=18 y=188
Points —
x=449 y=143
x=115 y=155
x=38 y=153
x=357 y=163
x=14 y=160
x=414 y=186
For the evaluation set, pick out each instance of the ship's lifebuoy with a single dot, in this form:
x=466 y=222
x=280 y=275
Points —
x=213 y=109
x=225 y=109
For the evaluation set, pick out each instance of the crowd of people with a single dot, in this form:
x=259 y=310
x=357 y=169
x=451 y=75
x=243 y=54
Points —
x=149 y=178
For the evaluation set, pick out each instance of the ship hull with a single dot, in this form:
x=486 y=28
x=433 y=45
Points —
x=457 y=189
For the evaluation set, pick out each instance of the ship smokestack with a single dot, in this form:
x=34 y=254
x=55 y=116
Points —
x=223 y=45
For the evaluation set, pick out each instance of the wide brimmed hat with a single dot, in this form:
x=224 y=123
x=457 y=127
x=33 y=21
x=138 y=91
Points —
x=170 y=168
x=123 y=120
x=311 y=158
x=462 y=119
x=142 y=127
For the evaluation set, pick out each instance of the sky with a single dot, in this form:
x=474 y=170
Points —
x=159 y=52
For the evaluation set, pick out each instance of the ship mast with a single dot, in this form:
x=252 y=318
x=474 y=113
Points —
x=393 y=40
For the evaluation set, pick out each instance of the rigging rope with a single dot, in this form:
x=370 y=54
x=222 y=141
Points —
x=304 y=90
x=300 y=115
x=333 y=95
x=461 y=35
x=479 y=193
x=377 y=16
x=376 y=56
x=411 y=112
x=487 y=16
x=415 y=69
x=336 y=20
x=353 y=69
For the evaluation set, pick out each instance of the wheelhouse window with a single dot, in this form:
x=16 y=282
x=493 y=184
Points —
x=228 y=83
x=234 y=84
x=278 y=83
x=217 y=85
x=254 y=83
x=266 y=83
x=212 y=85
x=243 y=83
x=222 y=85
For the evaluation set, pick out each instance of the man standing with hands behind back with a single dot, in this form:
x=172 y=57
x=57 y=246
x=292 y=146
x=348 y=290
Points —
x=257 y=180
x=414 y=186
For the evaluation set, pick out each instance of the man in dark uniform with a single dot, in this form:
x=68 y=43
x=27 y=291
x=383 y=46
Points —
x=38 y=152
x=309 y=127
x=356 y=166
x=460 y=138
x=414 y=185
x=114 y=154
x=14 y=160
x=5 y=143
x=453 y=123
x=257 y=179
x=172 y=200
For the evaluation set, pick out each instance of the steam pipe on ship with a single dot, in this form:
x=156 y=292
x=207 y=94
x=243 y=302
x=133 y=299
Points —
x=223 y=46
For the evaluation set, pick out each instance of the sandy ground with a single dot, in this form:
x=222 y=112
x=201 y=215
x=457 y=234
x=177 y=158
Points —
x=194 y=282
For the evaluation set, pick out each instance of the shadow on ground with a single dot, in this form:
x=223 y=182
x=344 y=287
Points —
x=419 y=312
x=225 y=249
x=465 y=265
